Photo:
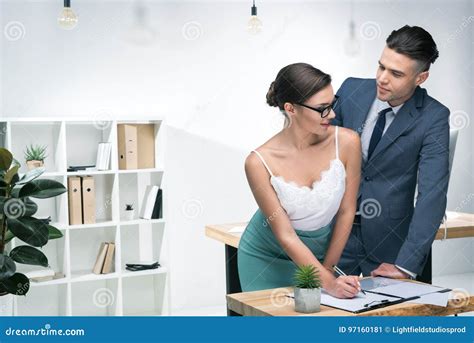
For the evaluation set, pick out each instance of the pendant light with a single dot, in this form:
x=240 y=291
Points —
x=140 y=33
x=254 y=25
x=68 y=19
x=352 y=44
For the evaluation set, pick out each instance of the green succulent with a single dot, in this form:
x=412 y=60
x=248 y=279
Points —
x=35 y=153
x=307 y=276
x=16 y=220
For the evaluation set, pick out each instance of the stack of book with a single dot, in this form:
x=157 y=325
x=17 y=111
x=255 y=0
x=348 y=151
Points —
x=152 y=204
x=43 y=275
x=103 y=156
x=104 y=261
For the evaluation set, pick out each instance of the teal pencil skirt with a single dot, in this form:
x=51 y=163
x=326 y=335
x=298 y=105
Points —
x=263 y=263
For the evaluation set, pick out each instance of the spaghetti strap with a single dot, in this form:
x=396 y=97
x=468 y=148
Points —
x=263 y=161
x=337 y=145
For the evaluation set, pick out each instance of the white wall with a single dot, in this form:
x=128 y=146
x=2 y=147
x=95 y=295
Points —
x=212 y=90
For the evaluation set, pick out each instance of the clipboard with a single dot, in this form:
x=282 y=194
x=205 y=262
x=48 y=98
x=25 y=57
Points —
x=397 y=292
x=360 y=304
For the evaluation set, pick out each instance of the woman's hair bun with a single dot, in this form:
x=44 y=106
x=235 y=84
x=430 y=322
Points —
x=271 y=96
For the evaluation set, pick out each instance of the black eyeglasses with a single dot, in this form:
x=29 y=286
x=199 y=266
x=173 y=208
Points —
x=323 y=111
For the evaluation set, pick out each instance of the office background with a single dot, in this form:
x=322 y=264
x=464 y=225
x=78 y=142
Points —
x=208 y=76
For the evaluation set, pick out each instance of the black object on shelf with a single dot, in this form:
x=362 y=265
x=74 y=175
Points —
x=158 y=207
x=138 y=266
x=77 y=168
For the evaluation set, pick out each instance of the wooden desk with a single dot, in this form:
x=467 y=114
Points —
x=458 y=225
x=273 y=302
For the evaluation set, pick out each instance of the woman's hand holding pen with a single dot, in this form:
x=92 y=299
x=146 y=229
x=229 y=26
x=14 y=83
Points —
x=343 y=286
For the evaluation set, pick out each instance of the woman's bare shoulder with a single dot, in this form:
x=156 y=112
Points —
x=348 y=136
x=271 y=147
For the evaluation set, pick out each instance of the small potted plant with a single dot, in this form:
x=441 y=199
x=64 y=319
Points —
x=307 y=289
x=35 y=155
x=129 y=213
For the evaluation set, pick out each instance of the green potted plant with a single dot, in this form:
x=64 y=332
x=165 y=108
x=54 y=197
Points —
x=129 y=212
x=307 y=289
x=16 y=220
x=35 y=155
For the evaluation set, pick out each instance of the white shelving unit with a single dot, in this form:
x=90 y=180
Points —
x=80 y=292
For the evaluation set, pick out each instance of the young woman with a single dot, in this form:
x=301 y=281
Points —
x=305 y=181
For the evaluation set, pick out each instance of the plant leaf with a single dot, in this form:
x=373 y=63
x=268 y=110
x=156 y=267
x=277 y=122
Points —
x=13 y=208
x=7 y=267
x=54 y=233
x=15 y=192
x=31 y=207
x=30 y=230
x=28 y=255
x=31 y=175
x=10 y=173
x=307 y=276
x=3 y=187
x=17 y=284
x=6 y=159
x=8 y=236
x=15 y=179
x=42 y=189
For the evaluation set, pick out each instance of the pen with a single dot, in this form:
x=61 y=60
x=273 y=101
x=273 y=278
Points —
x=341 y=273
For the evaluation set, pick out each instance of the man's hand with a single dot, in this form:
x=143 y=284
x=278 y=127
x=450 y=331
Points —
x=389 y=270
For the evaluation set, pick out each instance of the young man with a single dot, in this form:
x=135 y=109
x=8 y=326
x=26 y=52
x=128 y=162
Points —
x=405 y=141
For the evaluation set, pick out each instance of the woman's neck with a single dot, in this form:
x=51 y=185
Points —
x=299 y=139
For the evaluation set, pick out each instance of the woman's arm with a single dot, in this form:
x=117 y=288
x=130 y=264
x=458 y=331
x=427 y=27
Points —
x=351 y=153
x=281 y=227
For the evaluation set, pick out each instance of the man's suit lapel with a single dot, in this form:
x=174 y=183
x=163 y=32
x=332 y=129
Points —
x=403 y=120
x=362 y=105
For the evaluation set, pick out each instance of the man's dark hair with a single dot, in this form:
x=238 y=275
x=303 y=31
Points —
x=416 y=43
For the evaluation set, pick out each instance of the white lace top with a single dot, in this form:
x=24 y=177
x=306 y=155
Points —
x=311 y=208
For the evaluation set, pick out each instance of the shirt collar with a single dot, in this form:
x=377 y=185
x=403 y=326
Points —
x=381 y=105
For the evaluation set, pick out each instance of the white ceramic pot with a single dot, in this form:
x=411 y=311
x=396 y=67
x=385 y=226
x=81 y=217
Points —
x=129 y=215
x=6 y=305
x=33 y=164
x=307 y=300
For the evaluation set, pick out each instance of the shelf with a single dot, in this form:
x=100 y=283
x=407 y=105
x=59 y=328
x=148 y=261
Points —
x=145 y=294
x=92 y=132
x=103 y=172
x=141 y=121
x=74 y=141
x=105 y=206
x=85 y=246
x=100 y=224
x=159 y=270
x=133 y=171
x=88 y=275
x=133 y=248
x=62 y=226
x=49 y=283
x=49 y=134
x=141 y=221
x=52 y=174
x=39 y=301
x=90 y=172
x=55 y=207
x=132 y=189
x=96 y=298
